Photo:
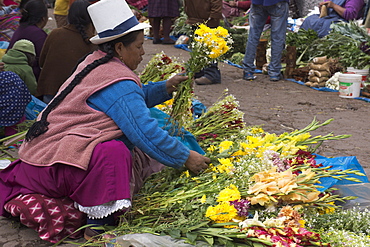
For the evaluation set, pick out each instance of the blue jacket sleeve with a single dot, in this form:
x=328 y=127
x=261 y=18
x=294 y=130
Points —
x=125 y=103
x=155 y=93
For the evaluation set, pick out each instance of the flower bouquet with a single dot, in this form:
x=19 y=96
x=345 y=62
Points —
x=209 y=44
x=221 y=121
x=160 y=67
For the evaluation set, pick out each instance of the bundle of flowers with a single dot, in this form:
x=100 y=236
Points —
x=254 y=193
x=160 y=67
x=208 y=46
x=221 y=121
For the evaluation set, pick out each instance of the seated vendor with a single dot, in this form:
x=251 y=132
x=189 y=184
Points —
x=337 y=10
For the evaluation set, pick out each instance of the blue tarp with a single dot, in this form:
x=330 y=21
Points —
x=185 y=136
x=340 y=163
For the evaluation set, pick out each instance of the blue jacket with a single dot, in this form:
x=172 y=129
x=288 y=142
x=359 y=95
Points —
x=140 y=130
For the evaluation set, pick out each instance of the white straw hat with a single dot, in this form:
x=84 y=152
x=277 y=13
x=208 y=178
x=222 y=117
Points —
x=113 y=19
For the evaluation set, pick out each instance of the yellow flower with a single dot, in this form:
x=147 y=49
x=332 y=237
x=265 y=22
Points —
x=203 y=199
x=225 y=145
x=222 y=213
x=211 y=148
x=228 y=194
x=225 y=166
x=256 y=130
x=186 y=173
x=239 y=153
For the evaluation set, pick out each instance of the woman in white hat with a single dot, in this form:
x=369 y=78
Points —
x=86 y=144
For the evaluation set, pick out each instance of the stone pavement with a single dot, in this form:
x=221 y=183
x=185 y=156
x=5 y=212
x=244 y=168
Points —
x=14 y=234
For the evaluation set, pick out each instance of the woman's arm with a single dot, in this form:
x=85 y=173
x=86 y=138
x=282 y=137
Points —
x=349 y=11
x=124 y=103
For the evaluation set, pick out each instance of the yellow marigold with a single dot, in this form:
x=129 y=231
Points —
x=222 y=31
x=225 y=145
x=239 y=153
x=225 y=165
x=222 y=213
x=255 y=141
x=228 y=194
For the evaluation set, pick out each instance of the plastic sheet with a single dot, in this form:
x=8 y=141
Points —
x=340 y=163
x=360 y=190
x=34 y=108
x=185 y=137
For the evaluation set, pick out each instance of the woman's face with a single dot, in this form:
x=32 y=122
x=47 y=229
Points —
x=131 y=55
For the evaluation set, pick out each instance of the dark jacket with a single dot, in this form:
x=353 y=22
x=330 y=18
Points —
x=209 y=11
x=62 y=50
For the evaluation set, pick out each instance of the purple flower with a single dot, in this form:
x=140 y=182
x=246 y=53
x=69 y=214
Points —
x=241 y=206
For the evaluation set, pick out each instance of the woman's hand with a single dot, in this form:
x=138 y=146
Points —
x=1 y=66
x=196 y=162
x=328 y=4
x=171 y=84
x=337 y=8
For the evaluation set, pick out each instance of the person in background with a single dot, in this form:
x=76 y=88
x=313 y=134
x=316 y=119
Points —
x=162 y=11
x=139 y=4
x=19 y=59
x=61 y=8
x=34 y=19
x=260 y=11
x=336 y=10
x=244 y=5
x=95 y=142
x=9 y=22
x=210 y=13
x=63 y=48
x=14 y=98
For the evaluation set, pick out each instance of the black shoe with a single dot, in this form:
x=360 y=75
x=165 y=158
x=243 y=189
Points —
x=157 y=41
x=204 y=81
x=168 y=42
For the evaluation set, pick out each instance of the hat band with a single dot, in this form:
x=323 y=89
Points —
x=121 y=28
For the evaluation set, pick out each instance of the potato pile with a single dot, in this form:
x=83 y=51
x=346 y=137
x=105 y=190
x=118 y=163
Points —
x=319 y=72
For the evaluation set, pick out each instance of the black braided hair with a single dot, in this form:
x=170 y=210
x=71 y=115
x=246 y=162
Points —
x=41 y=126
x=33 y=12
x=80 y=18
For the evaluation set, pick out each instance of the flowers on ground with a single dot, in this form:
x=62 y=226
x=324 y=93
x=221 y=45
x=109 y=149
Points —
x=256 y=191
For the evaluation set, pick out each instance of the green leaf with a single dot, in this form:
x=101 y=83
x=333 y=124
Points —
x=175 y=233
x=209 y=240
x=191 y=237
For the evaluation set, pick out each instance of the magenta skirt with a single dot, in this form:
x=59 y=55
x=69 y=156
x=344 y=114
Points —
x=106 y=179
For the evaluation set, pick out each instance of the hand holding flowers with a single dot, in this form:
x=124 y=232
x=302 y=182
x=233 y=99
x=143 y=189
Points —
x=208 y=46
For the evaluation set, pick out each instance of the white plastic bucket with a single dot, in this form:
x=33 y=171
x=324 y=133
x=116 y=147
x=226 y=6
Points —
x=363 y=72
x=349 y=85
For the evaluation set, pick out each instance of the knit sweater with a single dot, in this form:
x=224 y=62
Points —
x=75 y=128
x=17 y=62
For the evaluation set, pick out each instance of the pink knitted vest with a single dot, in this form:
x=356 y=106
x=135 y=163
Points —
x=75 y=128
